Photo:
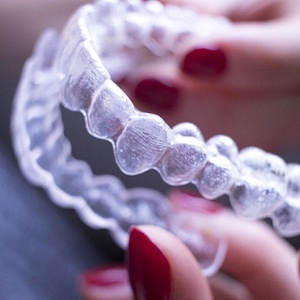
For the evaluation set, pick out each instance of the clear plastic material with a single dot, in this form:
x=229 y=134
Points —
x=69 y=69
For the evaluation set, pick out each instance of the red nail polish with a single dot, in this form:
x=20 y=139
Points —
x=107 y=276
x=188 y=200
x=149 y=270
x=162 y=94
x=204 y=62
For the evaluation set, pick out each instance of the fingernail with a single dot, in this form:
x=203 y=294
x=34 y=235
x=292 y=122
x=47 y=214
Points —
x=163 y=94
x=105 y=276
x=204 y=62
x=188 y=200
x=109 y=283
x=149 y=270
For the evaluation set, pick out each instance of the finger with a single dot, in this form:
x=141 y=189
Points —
x=106 y=283
x=226 y=288
x=161 y=267
x=254 y=60
x=256 y=257
x=254 y=50
x=263 y=262
x=238 y=11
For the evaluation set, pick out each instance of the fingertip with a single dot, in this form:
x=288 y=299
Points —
x=159 y=93
x=157 y=258
x=204 y=61
x=106 y=283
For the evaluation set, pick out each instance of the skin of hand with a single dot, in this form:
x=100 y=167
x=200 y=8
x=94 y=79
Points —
x=243 y=82
x=262 y=264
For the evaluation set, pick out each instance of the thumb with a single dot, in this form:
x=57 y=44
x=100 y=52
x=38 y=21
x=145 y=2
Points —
x=161 y=267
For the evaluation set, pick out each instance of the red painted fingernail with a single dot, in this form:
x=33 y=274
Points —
x=109 y=282
x=149 y=270
x=188 y=200
x=163 y=94
x=204 y=62
x=107 y=276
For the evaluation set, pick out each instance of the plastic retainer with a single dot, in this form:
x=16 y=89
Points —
x=75 y=69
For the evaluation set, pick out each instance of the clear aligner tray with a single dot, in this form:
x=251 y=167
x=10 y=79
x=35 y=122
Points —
x=101 y=43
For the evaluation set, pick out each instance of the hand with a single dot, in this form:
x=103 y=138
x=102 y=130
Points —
x=161 y=267
x=243 y=82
